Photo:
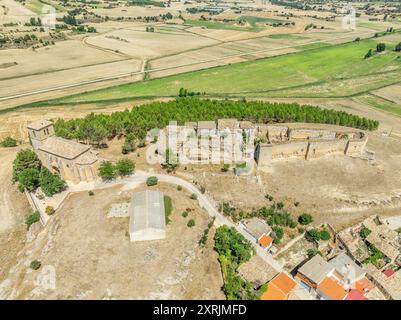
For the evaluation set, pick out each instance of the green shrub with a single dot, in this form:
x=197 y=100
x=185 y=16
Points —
x=278 y=234
x=185 y=214
x=91 y=193
x=325 y=235
x=305 y=219
x=301 y=230
x=31 y=219
x=225 y=167
x=49 y=210
x=313 y=235
x=194 y=196
x=107 y=171
x=365 y=232
x=35 y=264
x=8 y=142
x=179 y=188
x=202 y=189
x=313 y=252
x=151 y=181
x=191 y=223
x=125 y=167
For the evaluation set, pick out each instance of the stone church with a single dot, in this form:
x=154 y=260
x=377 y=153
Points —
x=74 y=161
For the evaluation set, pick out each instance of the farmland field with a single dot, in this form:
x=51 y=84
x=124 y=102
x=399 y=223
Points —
x=340 y=64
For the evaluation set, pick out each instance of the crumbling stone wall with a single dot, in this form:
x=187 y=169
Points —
x=285 y=143
x=318 y=149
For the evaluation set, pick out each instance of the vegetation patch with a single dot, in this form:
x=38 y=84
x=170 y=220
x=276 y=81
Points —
x=151 y=181
x=31 y=219
x=109 y=171
x=35 y=264
x=30 y=174
x=8 y=142
x=233 y=250
x=168 y=207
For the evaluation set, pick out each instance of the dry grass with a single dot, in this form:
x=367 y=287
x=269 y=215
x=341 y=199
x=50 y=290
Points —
x=103 y=263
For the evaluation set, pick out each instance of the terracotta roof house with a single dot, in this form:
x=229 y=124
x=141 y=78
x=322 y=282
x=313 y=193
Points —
x=265 y=241
x=279 y=288
x=330 y=289
x=74 y=161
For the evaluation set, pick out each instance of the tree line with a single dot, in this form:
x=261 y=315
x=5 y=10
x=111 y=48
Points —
x=135 y=123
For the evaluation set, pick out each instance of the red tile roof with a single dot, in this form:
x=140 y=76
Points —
x=389 y=272
x=279 y=288
x=355 y=295
x=265 y=241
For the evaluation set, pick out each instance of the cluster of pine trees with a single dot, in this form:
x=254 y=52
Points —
x=135 y=123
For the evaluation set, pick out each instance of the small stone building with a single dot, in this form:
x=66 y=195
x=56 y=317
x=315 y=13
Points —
x=147 y=216
x=74 y=161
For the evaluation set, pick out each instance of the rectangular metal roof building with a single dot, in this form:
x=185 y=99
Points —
x=147 y=216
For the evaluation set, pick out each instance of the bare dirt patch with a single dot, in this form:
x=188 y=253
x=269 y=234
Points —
x=103 y=264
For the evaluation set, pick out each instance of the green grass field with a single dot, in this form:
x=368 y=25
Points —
x=287 y=36
x=334 y=71
x=379 y=103
x=37 y=5
x=220 y=25
x=253 y=21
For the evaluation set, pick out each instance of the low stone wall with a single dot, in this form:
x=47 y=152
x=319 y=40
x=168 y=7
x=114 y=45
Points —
x=307 y=134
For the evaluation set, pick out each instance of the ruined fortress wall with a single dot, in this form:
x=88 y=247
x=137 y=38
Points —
x=261 y=131
x=289 y=150
x=277 y=133
x=303 y=134
x=318 y=149
x=356 y=146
